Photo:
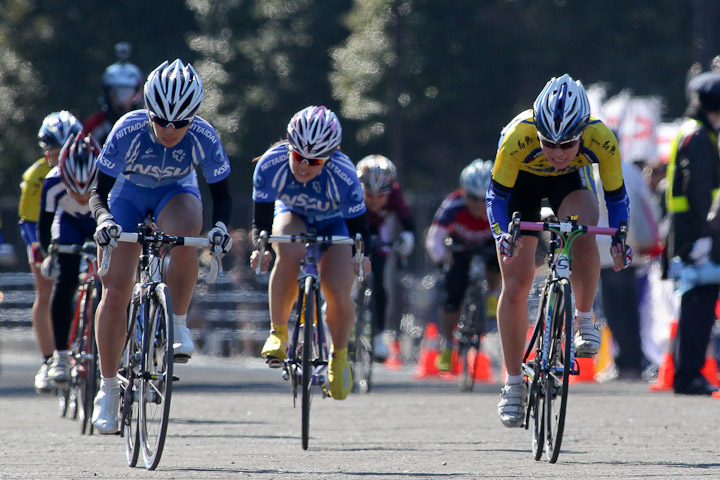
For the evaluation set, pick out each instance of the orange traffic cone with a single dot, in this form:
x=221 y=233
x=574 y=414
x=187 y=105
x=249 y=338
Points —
x=428 y=352
x=710 y=371
x=394 y=362
x=666 y=371
x=587 y=370
x=483 y=368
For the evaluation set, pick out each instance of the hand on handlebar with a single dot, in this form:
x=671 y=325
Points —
x=107 y=233
x=220 y=240
x=507 y=248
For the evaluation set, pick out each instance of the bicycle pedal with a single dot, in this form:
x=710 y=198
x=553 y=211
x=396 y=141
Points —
x=182 y=358
x=176 y=379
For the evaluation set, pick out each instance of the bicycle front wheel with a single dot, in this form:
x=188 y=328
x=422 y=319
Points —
x=88 y=364
x=362 y=347
x=558 y=378
x=157 y=378
x=308 y=354
x=130 y=380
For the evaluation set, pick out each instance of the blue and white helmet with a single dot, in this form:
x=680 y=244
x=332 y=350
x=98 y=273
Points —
x=475 y=178
x=562 y=110
x=174 y=91
x=57 y=128
x=314 y=132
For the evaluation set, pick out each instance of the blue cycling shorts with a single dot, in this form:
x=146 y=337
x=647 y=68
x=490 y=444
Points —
x=130 y=203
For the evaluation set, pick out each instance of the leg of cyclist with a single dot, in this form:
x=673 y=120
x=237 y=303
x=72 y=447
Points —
x=586 y=270
x=182 y=216
x=456 y=282
x=42 y=325
x=379 y=296
x=282 y=288
x=337 y=279
x=62 y=308
x=111 y=328
x=512 y=317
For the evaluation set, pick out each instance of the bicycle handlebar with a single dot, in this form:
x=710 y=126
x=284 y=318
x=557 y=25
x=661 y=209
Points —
x=160 y=238
x=264 y=239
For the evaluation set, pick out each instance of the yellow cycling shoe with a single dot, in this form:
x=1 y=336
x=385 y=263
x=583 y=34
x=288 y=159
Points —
x=341 y=379
x=443 y=362
x=276 y=344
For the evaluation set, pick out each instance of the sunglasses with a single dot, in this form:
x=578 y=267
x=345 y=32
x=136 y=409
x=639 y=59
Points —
x=161 y=122
x=561 y=146
x=313 y=162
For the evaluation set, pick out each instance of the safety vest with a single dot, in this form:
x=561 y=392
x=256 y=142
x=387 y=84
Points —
x=679 y=203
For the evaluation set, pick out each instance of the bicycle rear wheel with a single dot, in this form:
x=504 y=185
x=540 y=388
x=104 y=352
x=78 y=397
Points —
x=157 y=378
x=362 y=348
x=557 y=379
x=308 y=355
x=129 y=381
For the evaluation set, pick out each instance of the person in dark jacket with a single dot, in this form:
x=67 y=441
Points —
x=693 y=179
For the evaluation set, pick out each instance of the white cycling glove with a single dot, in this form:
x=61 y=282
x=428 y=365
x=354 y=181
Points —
x=503 y=244
x=700 y=252
x=405 y=243
x=220 y=241
x=107 y=233
x=48 y=267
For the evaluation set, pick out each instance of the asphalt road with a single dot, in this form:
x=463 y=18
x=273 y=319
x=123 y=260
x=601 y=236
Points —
x=233 y=418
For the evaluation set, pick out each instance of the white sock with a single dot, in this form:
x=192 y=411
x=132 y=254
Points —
x=583 y=315
x=109 y=383
x=180 y=319
x=514 y=379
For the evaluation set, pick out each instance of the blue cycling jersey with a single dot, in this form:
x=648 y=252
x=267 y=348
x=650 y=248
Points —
x=133 y=153
x=73 y=222
x=335 y=192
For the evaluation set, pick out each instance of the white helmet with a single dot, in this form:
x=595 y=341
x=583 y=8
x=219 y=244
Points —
x=475 y=178
x=562 y=110
x=57 y=128
x=314 y=132
x=174 y=91
x=377 y=174
x=78 y=169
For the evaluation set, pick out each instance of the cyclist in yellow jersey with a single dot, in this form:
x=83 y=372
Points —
x=547 y=153
x=55 y=130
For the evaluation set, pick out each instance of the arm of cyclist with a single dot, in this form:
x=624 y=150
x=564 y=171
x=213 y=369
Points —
x=435 y=243
x=618 y=206
x=360 y=225
x=218 y=236
x=497 y=200
x=107 y=231
x=262 y=221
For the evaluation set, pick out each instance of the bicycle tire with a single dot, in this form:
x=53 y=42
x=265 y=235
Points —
x=157 y=377
x=535 y=410
x=469 y=328
x=88 y=379
x=363 y=351
x=130 y=374
x=308 y=317
x=556 y=387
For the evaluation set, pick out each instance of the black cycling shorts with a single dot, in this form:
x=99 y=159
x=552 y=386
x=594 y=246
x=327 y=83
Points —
x=456 y=279
x=530 y=190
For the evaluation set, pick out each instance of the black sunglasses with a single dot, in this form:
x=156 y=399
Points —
x=167 y=123
x=561 y=146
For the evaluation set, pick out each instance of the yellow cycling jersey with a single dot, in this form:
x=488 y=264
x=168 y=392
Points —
x=519 y=149
x=31 y=190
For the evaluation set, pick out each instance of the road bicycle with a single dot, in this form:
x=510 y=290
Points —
x=76 y=398
x=306 y=362
x=473 y=324
x=360 y=346
x=549 y=358
x=146 y=372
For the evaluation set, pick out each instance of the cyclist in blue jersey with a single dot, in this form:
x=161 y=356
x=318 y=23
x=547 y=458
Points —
x=301 y=184
x=65 y=219
x=147 y=165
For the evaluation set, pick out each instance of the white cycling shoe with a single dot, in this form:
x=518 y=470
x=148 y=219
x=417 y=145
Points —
x=587 y=338
x=511 y=408
x=105 y=410
x=184 y=347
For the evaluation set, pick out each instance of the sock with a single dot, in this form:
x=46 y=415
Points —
x=279 y=329
x=109 y=383
x=583 y=315
x=180 y=319
x=514 y=379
